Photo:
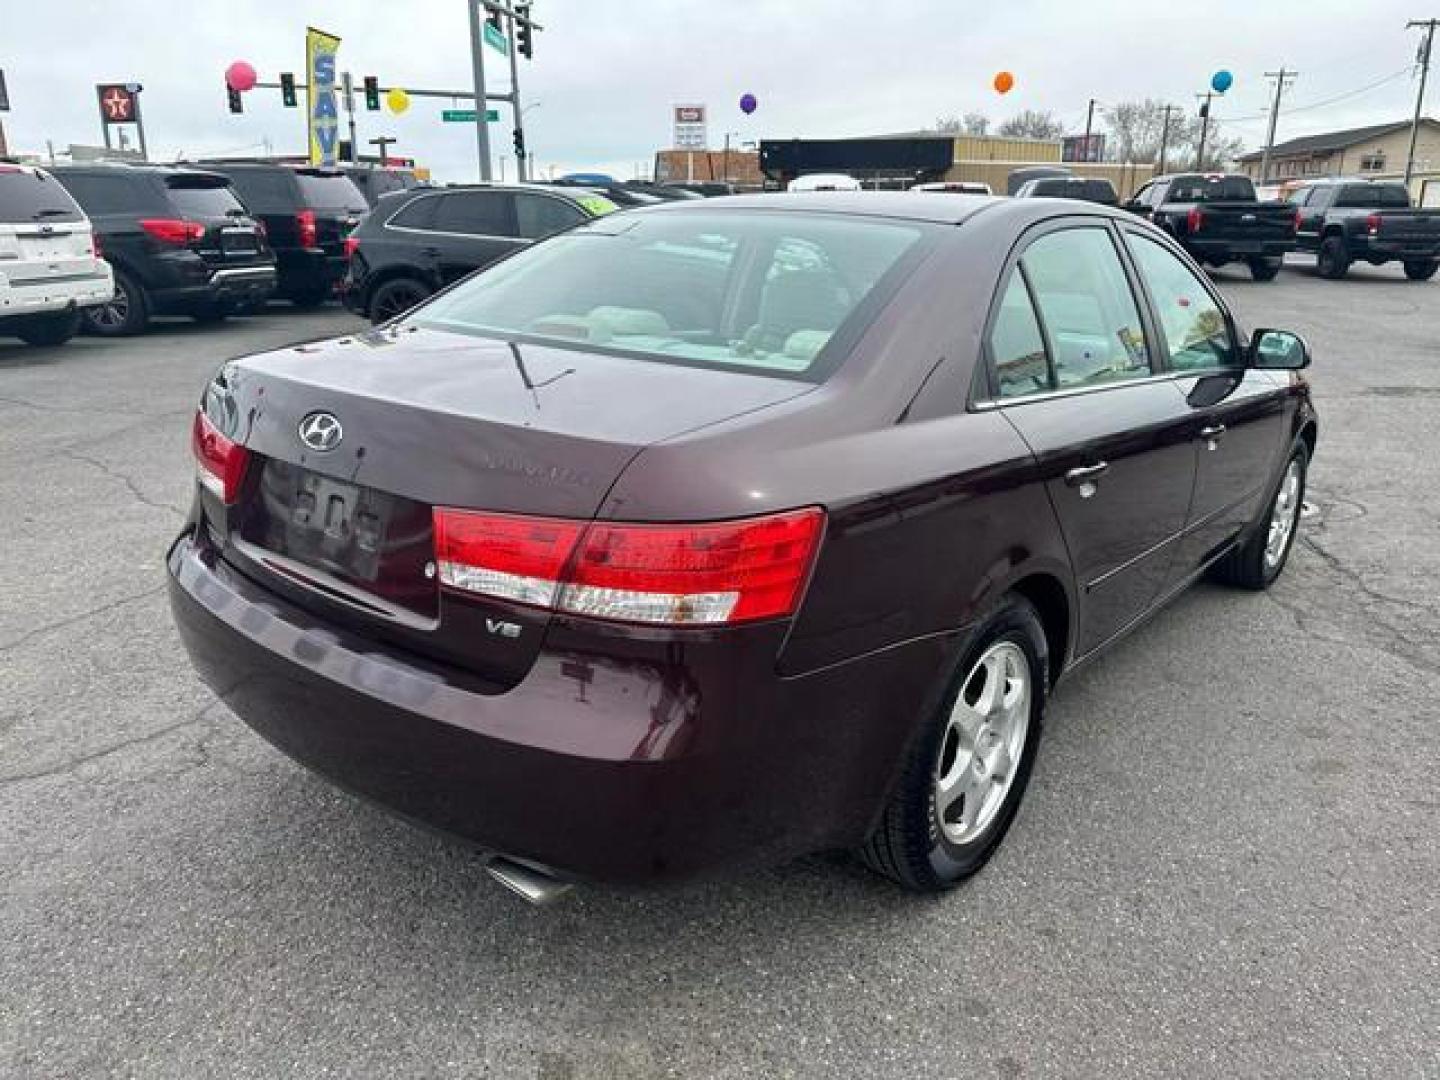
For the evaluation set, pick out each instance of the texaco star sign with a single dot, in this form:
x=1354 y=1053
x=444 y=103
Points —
x=117 y=105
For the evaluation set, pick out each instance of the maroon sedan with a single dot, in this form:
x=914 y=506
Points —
x=720 y=532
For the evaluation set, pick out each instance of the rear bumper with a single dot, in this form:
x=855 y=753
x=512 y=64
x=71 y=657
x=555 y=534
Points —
x=1236 y=251
x=645 y=762
x=229 y=285
x=1379 y=251
x=25 y=297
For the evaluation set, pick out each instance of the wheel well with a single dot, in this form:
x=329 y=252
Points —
x=1309 y=434
x=1053 y=606
x=394 y=273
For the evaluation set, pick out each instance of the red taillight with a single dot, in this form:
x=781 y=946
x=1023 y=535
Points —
x=1195 y=220
x=1297 y=220
x=352 y=245
x=220 y=461
x=305 y=223
x=669 y=575
x=173 y=230
x=1372 y=223
x=95 y=250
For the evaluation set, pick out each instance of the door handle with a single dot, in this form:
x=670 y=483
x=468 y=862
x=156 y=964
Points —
x=1086 y=473
x=1211 y=433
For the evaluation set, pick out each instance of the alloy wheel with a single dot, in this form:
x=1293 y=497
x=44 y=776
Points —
x=1283 y=514
x=983 y=743
x=396 y=301
x=112 y=315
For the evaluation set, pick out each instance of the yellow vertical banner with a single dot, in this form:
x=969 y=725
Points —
x=322 y=116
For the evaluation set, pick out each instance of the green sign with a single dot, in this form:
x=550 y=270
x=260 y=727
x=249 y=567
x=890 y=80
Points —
x=467 y=116
x=495 y=39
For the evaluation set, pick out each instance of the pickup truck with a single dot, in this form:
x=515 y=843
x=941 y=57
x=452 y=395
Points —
x=1218 y=220
x=1344 y=221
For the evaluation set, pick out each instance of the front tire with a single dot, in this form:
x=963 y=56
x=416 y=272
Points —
x=54 y=328
x=127 y=312
x=1333 y=261
x=1259 y=560
x=1421 y=269
x=966 y=771
x=395 y=297
x=1265 y=269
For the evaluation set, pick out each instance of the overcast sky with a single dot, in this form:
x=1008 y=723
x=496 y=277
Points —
x=606 y=74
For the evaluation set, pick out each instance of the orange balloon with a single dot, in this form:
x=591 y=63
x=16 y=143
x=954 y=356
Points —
x=1004 y=82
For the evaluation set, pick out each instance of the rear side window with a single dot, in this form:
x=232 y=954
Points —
x=1017 y=346
x=115 y=194
x=28 y=196
x=1196 y=334
x=416 y=214
x=1091 y=320
x=475 y=213
x=540 y=215
x=332 y=191
x=203 y=200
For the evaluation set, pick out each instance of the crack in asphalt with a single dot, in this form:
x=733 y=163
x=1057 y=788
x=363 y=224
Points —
x=60 y=624
x=128 y=481
x=71 y=765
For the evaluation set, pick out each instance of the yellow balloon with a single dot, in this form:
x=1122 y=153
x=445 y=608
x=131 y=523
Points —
x=398 y=100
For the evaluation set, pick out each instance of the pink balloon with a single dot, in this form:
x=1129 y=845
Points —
x=240 y=76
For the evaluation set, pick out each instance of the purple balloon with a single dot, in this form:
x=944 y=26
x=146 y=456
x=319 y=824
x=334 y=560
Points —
x=748 y=103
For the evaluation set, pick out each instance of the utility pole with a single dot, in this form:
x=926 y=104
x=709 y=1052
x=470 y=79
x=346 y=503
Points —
x=522 y=174
x=1204 y=128
x=477 y=68
x=1089 y=121
x=1165 y=134
x=1280 y=78
x=383 y=143
x=1424 y=58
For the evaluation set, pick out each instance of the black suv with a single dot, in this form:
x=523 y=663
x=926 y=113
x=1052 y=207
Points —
x=1085 y=188
x=307 y=212
x=416 y=242
x=180 y=242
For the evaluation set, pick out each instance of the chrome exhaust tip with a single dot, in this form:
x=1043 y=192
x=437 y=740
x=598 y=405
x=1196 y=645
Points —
x=529 y=883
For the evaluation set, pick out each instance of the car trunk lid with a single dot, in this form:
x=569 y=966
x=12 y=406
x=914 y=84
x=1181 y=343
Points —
x=433 y=419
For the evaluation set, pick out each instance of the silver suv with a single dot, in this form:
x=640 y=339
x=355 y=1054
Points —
x=50 y=264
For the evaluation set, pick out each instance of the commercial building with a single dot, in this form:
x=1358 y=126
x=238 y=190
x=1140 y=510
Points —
x=1378 y=151
x=738 y=167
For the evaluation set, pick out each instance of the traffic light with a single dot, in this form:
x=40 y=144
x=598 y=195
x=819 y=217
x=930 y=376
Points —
x=372 y=93
x=524 y=40
x=519 y=138
x=236 y=105
x=1204 y=109
x=287 y=89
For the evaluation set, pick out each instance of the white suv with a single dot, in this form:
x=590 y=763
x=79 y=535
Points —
x=50 y=264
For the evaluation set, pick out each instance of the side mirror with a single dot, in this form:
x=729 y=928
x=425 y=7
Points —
x=1278 y=350
x=1143 y=209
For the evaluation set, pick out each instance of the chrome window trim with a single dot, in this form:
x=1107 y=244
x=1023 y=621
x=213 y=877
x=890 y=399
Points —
x=389 y=222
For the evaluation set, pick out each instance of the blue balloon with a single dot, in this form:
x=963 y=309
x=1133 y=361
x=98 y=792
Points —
x=1221 y=81
x=748 y=103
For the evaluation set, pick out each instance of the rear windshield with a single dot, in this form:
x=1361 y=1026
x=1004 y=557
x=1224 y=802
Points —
x=203 y=198
x=1382 y=196
x=330 y=192
x=1212 y=189
x=752 y=290
x=33 y=196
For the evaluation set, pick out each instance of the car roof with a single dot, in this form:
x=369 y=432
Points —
x=907 y=205
x=131 y=168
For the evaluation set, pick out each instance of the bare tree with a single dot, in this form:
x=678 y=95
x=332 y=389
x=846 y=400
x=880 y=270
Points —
x=1032 y=124
x=972 y=123
x=1137 y=127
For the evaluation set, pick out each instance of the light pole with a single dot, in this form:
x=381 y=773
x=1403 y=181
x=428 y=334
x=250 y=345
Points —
x=728 y=136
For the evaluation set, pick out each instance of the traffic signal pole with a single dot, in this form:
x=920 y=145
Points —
x=477 y=69
x=522 y=171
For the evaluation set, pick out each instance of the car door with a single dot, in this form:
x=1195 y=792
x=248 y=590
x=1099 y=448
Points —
x=1309 y=203
x=1073 y=371
x=1238 y=412
x=472 y=229
x=538 y=216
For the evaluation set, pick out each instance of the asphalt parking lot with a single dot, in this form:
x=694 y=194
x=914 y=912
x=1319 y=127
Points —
x=1227 y=865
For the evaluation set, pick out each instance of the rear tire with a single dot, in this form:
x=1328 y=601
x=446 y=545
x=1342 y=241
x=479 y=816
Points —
x=1333 y=262
x=128 y=312
x=53 y=328
x=1421 y=269
x=1265 y=269
x=395 y=297
x=949 y=811
x=1258 y=560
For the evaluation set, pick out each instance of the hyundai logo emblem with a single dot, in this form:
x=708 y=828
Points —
x=321 y=431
